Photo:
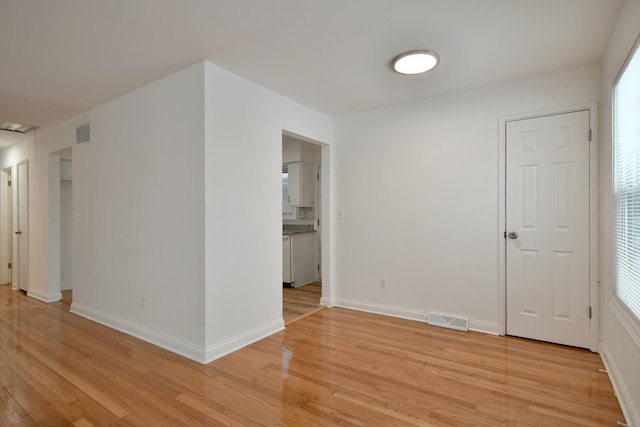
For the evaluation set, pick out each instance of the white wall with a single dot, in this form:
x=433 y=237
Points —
x=139 y=194
x=153 y=223
x=291 y=149
x=297 y=150
x=418 y=190
x=617 y=346
x=243 y=157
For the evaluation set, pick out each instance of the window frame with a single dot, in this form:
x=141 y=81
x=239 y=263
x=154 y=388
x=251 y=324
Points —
x=629 y=319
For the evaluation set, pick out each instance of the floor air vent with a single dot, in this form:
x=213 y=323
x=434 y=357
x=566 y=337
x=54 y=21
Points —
x=448 y=321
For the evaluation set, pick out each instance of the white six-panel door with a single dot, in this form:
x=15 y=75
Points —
x=547 y=221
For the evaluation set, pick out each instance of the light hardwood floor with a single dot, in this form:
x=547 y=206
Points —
x=300 y=302
x=335 y=367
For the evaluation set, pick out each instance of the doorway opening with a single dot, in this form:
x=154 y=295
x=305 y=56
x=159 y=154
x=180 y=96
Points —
x=61 y=225
x=304 y=290
x=14 y=226
x=66 y=227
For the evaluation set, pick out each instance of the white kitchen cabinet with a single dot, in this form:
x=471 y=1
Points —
x=301 y=184
x=299 y=266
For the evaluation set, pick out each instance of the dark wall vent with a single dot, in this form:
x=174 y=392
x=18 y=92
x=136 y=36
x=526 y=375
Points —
x=83 y=134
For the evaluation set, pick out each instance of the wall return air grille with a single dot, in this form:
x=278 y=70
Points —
x=83 y=134
x=459 y=323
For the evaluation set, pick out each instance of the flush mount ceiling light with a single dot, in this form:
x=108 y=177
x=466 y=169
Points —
x=15 y=127
x=415 y=62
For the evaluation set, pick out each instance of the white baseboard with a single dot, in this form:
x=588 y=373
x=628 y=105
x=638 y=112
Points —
x=484 y=327
x=326 y=301
x=301 y=284
x=53 y=297
x=410 y=314
x=230 y=345
x=626 y=404
x=66 y=287
x=188 y=350
x=386 y=310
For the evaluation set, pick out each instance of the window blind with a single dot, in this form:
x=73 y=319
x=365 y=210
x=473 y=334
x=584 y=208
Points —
x=626 y=142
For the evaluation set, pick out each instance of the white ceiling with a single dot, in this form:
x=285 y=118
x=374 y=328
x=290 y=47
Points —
x=61 y=58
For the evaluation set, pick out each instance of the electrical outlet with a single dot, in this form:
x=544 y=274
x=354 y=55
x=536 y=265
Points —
x=383 y=283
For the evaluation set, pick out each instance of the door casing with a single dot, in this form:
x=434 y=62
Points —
x=6 y=227
x=20 y=248
x=593 y=214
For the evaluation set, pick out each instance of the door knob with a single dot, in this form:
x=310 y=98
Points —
x=513 y=235
x=18 y=232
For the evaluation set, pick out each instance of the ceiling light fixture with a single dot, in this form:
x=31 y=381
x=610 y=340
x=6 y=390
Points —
x=15 y=127
x=415 y=62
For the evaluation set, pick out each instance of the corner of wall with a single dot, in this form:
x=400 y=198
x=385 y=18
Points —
x=45 y=297
x=220 y=349
x=157 y=338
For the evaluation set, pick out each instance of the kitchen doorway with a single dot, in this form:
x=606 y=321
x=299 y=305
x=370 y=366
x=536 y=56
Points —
x=302 y=222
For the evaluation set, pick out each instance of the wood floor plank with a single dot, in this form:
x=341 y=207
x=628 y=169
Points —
x=46 y=395
x=78 y=381
x=299 y=302
x=333 y=368
x=11 y=413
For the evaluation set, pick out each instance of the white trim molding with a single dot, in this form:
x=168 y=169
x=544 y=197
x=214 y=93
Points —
x=484 y=327
x=326 y=301
x=41 y=296
x=188 y=350
x=410 y=314
x=632 y=418
x=385 y=310
x=230 y=345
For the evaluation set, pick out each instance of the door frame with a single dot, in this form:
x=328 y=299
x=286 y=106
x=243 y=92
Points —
x=324 y=215
x=17 y=262
x=6 y=226
x=593 y=213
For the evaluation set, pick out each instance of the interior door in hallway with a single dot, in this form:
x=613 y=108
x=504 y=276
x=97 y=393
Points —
x=547 y=220
x=22 y=225
x=6 y=227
